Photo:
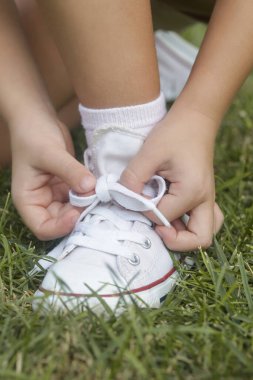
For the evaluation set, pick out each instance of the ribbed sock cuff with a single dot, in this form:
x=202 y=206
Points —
x=138 y=116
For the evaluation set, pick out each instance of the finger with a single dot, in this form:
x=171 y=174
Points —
x=218 y=218
x=67 y=138
x=63 y=165
x=174 y=204
x=57 y=209
x=52 y=223
x=179 y=225
x=60 y=190
x=198 y=234
x=139 y=171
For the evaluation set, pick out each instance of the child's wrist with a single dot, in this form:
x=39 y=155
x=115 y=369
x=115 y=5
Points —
x=27 y=121
x=185 y=116
x=23 y=116
x=202 y=98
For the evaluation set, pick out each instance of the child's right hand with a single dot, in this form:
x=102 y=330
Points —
x=180 y=149
x=43 y=170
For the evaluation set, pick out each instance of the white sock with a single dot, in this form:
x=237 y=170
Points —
x=143 y=116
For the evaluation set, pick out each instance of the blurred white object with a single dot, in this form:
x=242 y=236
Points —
x=175 y=59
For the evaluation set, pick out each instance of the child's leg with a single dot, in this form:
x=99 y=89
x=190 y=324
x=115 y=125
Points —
x=108 y=48
x=109 y=51
x=45 y=53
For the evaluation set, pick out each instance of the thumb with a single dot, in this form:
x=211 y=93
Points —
x=63 y=165
x=139 y=171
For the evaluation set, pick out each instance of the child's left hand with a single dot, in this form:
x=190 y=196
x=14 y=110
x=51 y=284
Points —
x=180 y=149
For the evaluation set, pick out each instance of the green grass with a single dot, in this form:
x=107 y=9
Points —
x=205 y=329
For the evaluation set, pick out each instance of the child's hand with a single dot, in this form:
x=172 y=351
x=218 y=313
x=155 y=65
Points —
x=180 y=149
x=43 y=170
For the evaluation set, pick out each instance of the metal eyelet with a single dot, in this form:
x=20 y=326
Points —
x=147 y=243
x=135 y=260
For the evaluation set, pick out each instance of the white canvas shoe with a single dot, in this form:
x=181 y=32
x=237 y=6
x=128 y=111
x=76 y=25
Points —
x=176 y=57
x=113 y=257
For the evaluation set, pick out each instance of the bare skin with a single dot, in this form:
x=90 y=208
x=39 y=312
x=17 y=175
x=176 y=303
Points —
x=109 y=54
x=57 y=82
x=112 y=50
x=43 y=166
x=67 y=114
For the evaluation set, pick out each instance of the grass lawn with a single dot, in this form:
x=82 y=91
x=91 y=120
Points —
x=205 y=328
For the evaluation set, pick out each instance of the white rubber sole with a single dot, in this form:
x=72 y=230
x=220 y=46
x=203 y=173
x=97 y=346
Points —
x=152 y=297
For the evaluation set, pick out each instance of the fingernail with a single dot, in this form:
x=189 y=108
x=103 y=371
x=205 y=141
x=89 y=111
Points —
x=88 y=183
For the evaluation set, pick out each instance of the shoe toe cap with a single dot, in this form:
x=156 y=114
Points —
x=79 y=277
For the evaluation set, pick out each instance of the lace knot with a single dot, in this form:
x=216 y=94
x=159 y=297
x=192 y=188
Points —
x=109 y=189
x=103 y=187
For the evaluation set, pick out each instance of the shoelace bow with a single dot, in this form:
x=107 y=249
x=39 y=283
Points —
x=87 y=232
x=109 y=189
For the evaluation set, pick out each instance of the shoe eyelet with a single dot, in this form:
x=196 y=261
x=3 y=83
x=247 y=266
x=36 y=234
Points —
x=147 y=243
x=135 y=260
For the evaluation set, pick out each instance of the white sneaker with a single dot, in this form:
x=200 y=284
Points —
x=113 y=257
x=176 y=57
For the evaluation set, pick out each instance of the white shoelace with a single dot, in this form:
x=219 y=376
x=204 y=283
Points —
x=118 y=220
x=87 y=232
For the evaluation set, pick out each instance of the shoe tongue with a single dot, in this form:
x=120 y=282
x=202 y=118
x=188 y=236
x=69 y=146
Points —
x=105 y=224
x=126 y=216
x=112 y=149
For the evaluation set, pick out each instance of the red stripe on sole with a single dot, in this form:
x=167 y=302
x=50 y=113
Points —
x=137 y=290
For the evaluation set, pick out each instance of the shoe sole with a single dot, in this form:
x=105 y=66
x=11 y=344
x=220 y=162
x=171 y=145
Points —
x=151 y=295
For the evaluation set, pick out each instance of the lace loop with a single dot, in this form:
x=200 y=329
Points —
x=108 y=189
